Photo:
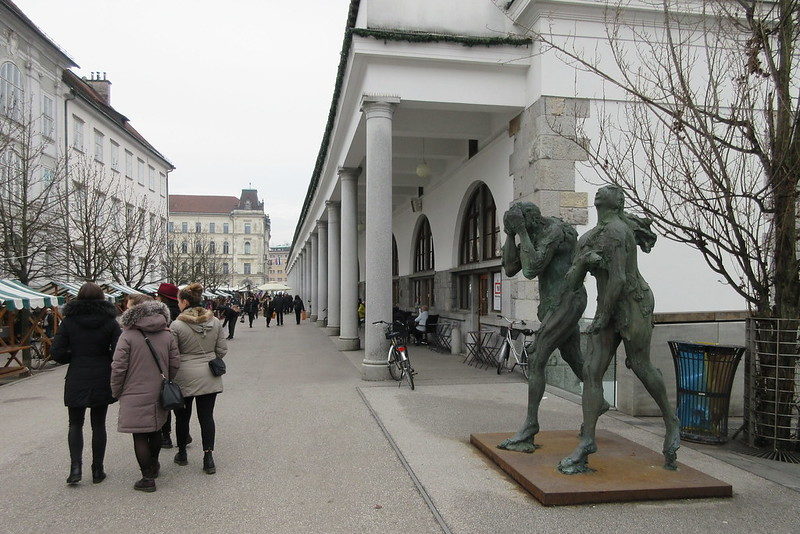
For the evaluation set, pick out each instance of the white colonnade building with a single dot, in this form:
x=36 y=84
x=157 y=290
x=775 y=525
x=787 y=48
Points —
x=441 y=119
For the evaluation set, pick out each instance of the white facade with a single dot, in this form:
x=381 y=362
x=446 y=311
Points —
x=276 y=264
x=475 y=108
x=237 y=236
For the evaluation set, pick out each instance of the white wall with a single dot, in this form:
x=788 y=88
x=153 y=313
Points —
x=463 y=17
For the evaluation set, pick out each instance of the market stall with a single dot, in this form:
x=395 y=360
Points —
x=22 y=313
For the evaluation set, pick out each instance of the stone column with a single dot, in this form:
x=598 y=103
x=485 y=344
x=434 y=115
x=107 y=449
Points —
x=334 y=269
x=348 y=317
x=314 y=306
x=322 y=273
x=378 y=112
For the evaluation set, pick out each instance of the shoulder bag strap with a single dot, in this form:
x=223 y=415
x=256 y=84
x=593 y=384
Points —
x=153 y=352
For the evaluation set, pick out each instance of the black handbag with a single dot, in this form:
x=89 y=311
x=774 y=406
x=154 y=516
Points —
x=171 y=397
x=217 y=366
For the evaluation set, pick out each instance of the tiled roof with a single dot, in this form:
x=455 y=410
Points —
x=87 y=93
x=202 y=204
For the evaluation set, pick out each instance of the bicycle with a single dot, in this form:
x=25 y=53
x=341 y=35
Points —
x=509 y=347
x=398 y=359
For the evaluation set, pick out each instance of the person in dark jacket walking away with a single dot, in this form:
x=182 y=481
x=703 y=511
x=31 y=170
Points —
x=251 y=309
x=298 y=307
x=136 y=380
x=280 y=306
x=86 y=339
x=231 y=314
x=168 y=294
x=200 y=340
x=269 y=308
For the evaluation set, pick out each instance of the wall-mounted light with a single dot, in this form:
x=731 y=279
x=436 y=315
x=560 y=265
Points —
x=423 y=169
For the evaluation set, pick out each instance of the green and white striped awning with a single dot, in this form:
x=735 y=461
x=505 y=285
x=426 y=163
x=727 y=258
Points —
x=17 y=296
x=122 y=288
x=56 y=287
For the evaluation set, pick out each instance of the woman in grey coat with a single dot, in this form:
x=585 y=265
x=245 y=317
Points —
x=200 y=339
x=136 y=380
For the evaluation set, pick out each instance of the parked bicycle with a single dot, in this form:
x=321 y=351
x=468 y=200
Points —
x=398 y=357
x=509 y=347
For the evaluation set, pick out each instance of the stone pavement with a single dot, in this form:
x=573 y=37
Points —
x=304 y=446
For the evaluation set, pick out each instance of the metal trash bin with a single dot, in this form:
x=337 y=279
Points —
x=704 y=376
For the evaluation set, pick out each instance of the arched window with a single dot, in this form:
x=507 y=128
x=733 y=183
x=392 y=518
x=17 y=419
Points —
x=184 y=247
x=226 y=249
x=247 y=247
x=423 y=248
x=212 y=247
x=11 y=89
x=480 y=231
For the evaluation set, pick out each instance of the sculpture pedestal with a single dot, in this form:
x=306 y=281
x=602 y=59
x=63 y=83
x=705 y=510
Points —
x=624 y=471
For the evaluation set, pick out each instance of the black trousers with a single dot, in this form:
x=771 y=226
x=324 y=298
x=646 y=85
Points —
x=269 y=316
x=297 y=315
x=205 y=415
x=250 y=317
x=231 y=327
x=97 y=416
x=279 y=317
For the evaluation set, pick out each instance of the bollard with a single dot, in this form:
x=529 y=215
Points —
x=455 y=340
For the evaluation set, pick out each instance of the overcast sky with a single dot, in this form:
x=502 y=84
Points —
x=231 y=92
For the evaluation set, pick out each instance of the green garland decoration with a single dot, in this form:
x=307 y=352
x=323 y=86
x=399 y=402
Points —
x=384 y=35
x=425 y=37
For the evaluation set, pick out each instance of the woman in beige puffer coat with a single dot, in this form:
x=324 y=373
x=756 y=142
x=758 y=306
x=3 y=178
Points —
x=200 y=339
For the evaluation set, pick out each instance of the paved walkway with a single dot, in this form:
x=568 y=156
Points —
x=304 y=446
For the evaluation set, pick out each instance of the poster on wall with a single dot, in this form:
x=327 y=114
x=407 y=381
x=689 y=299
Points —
x=497 y=291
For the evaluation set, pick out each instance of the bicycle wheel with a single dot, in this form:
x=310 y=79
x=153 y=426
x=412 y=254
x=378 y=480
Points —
x=409 y=374
x=395 y=368
x=502 y=359
x=523 y=364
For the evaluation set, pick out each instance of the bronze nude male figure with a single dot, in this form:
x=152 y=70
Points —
x=624 y=315
x=547 y=245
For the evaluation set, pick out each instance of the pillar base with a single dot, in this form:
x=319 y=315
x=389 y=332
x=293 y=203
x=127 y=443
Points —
x=322 y=323
x=374 y=371
x=313 y=317
x=331 y=331
x=344 y=344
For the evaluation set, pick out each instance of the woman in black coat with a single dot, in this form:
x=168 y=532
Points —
x=86 y=340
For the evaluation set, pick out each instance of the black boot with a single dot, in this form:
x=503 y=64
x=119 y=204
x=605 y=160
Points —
x=75 y=472
x=180 y=457
x=166 y=441
x=145 y=484
x=188 y=439
x=208 y=463
x=98 y=475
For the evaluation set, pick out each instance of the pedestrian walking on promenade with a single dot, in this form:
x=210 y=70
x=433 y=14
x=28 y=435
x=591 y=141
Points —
x=200 y=339
x=280 y=306
x=136 y=380
x=269 y=309
x=251 y=309
x=168 y=294
x=231 y=313
x=86 y=339
x=299 y=308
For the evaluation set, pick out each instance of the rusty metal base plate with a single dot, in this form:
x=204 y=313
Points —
x=624 y=471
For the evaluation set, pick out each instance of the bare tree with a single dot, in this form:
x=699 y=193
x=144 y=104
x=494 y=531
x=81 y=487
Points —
x=195 y=258
x=142 y=240
x=706 y=142
x=87 y=228
x=32 y=188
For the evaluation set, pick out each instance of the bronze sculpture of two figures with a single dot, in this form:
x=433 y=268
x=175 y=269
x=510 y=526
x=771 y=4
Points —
x=550 y=250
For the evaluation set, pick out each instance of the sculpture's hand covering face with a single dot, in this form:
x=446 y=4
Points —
x=513 y=221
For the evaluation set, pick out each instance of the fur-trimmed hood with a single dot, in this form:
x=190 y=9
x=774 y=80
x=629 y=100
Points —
x=196 y=315
x=90 y=313
x=150 y=316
